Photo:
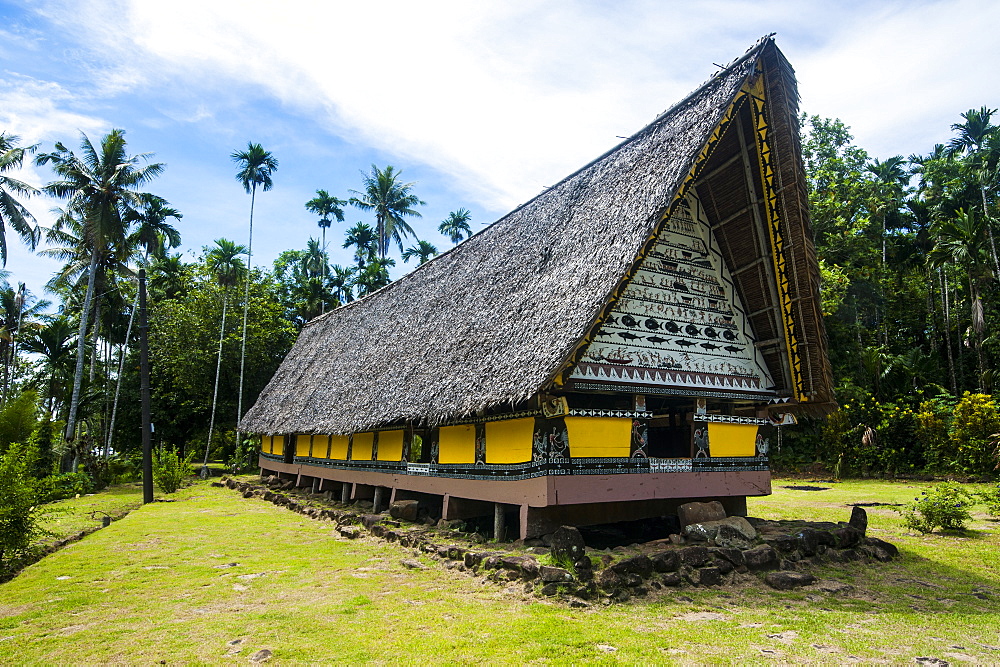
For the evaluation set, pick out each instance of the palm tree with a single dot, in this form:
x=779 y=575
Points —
x=153 y=234
x=973 y=139
x=166 y=276
x=314 y=261
x=13 y=214
x=341 y=281
x=374 y=276
x=423 y=251
x=963 y=241
x=255 y=168
x=324 y=205
x=890 y=180
x=363 y=238
x=52 y=342
x=18 y=311
x=102 y=189
x=225 y=265
x=391 y=200
x=456 y=225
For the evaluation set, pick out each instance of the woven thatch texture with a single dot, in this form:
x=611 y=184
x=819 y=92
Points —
x=492 y=320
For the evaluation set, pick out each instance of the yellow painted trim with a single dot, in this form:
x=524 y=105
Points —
x=509 y=441
x=457 y=444
x=591 y=437
x=390 y=446
x=338 y=447
x=302 y=445
x=732 y=439
x=361 y=449
x=765 y=163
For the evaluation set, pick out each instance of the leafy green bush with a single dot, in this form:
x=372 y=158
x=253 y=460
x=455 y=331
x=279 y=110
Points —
x=17 y=419
x=945 y=506
x=170 y=471
x=65 y=485
x=991 y=498
x=20 y=508
x=976 y=419
x=245 y=456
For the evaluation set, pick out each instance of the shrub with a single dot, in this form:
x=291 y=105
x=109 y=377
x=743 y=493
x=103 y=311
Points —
x=170 y=470
x=20 y=508
x=945 y=506
x=933 y=423
x=975 y=420
x=991 y=498
x=245 y=456
x=17 y=419
x=65 y=485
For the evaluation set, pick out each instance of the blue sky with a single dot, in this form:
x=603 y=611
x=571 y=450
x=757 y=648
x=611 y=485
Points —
x=481 y=104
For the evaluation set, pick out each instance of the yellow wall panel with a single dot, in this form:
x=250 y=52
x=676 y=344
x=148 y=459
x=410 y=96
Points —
x=278 y=444
x=302 y=445
x=732 y=439
x=338 y=449
x=599 y=436
x=320 y=444
x=361 y=450
x=457 y=444
x=509 y=441
x=390 y=446
x=266 y=443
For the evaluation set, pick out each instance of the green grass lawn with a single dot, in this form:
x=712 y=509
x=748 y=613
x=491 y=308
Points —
x=214 y=577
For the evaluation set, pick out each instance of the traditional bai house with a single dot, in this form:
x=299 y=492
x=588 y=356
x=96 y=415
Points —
x=624 y=342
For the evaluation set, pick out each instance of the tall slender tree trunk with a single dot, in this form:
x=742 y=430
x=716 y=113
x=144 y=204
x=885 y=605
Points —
x=81 y=344
x=322 y=301
x=215 y=391
x=121 y=368
x=947 y=332
x=989 y=231
x=246 y=307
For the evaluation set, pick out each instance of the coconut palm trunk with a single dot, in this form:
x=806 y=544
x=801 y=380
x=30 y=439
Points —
x=81 y=344
x=215 y=390
x=246 y=308
x=121 y=369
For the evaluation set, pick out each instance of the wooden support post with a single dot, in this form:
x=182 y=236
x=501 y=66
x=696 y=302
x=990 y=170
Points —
x=498 y=522
x=315 y=487
x=345 y=492
x=377 y=500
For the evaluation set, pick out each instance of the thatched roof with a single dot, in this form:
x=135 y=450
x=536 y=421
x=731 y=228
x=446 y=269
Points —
x=497 y=318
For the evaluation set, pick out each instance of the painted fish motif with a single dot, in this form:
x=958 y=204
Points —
x=652 y=324
x=612 y=320
x=628 y=336
x=728 y=335
x=710 y=346
x=683 y=343
x=732 y=348
x=629 y=321
x=672 y=327
x=657 y=339
x=692 y=330
x=711 y=333
x=602 y=332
